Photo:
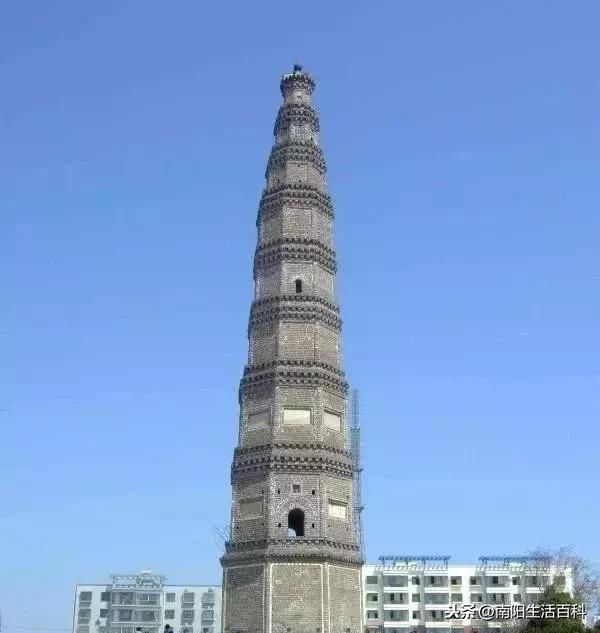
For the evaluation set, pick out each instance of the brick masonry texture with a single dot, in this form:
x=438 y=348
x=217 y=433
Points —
x=291 y=469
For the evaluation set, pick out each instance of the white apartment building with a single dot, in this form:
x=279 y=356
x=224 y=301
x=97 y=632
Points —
x=145 y=602
x=405 y=594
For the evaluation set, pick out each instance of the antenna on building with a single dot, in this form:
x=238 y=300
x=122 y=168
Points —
x=357 y=466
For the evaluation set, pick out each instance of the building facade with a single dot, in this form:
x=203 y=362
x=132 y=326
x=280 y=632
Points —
x=412 y=595
x=292 y=562
x=144 y=601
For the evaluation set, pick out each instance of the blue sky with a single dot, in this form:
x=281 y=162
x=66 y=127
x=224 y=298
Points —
x=463 y=145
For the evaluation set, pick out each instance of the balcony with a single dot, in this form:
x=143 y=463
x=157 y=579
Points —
x=536 y=582
x=435 y=582
x=396 y=615
x=395 y=598
x=395 y=581
x=498 y=589
x=437 y=599
x=435 y=615
x=188 y=597
x=498 y=581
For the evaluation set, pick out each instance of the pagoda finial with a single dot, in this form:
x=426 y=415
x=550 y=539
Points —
x=295 y=79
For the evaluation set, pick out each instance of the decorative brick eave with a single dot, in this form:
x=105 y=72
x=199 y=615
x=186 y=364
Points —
x=297 y=195
x=302 y=313
x=298 y=151
x=295 y=249
x=296 y=113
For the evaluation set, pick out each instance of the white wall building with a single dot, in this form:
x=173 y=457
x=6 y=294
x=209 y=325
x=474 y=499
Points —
x=144 y=601
x=411 y=595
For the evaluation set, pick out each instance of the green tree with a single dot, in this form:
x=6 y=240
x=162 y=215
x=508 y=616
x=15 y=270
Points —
x=554 y=595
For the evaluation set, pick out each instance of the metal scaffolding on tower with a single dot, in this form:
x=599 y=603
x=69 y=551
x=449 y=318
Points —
x=355 y=448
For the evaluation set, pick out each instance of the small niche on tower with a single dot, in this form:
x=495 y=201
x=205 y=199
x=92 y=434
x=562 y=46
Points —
x=298 y=286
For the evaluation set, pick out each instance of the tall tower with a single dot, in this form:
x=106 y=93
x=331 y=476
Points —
x=292 y=563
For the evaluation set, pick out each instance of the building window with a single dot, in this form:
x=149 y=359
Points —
x=103 y=613
x=372 y=597
x=295 y=487
x=475 y=580
x=456 y=597
x=169 y=614
x=416 y=597
x=187 y=615
x=169 y=597
x=494 y=580
x=455 y=580
x=416 y=580
x=148 y=616
x=415 y=615
x=123 y=598
x=105 y=596
x=296 y=523
x=370 y=580
x=85 y=596
x=148 y=598
x=516 y=580
x=372 y=615
x=298 y=286
x=84 y=616
x=517 y=597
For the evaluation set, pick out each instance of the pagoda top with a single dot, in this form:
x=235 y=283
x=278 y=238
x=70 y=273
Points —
x=298 y=78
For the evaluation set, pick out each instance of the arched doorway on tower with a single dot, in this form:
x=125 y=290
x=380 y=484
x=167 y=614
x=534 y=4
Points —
x=295 y=523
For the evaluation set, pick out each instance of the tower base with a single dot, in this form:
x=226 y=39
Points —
x=292 y=597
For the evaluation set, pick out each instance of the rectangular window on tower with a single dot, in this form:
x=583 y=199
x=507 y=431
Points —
x=296 y=417
x=338 y=510
x=332 y=420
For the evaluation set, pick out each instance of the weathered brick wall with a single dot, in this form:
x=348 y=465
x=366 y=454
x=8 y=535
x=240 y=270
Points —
x=321 y=227
x=327 y=345
x=297 y=223
x=294 y=610
x=269 y=282
x=244 y=528
x=296 y=341
x=344 y=598
x=263 y=344
x=324 y=283
x=270 y=228
x=243 y=599
x=338 y=489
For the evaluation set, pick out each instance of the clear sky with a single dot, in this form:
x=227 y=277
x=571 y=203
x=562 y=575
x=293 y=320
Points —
x=463 y=145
